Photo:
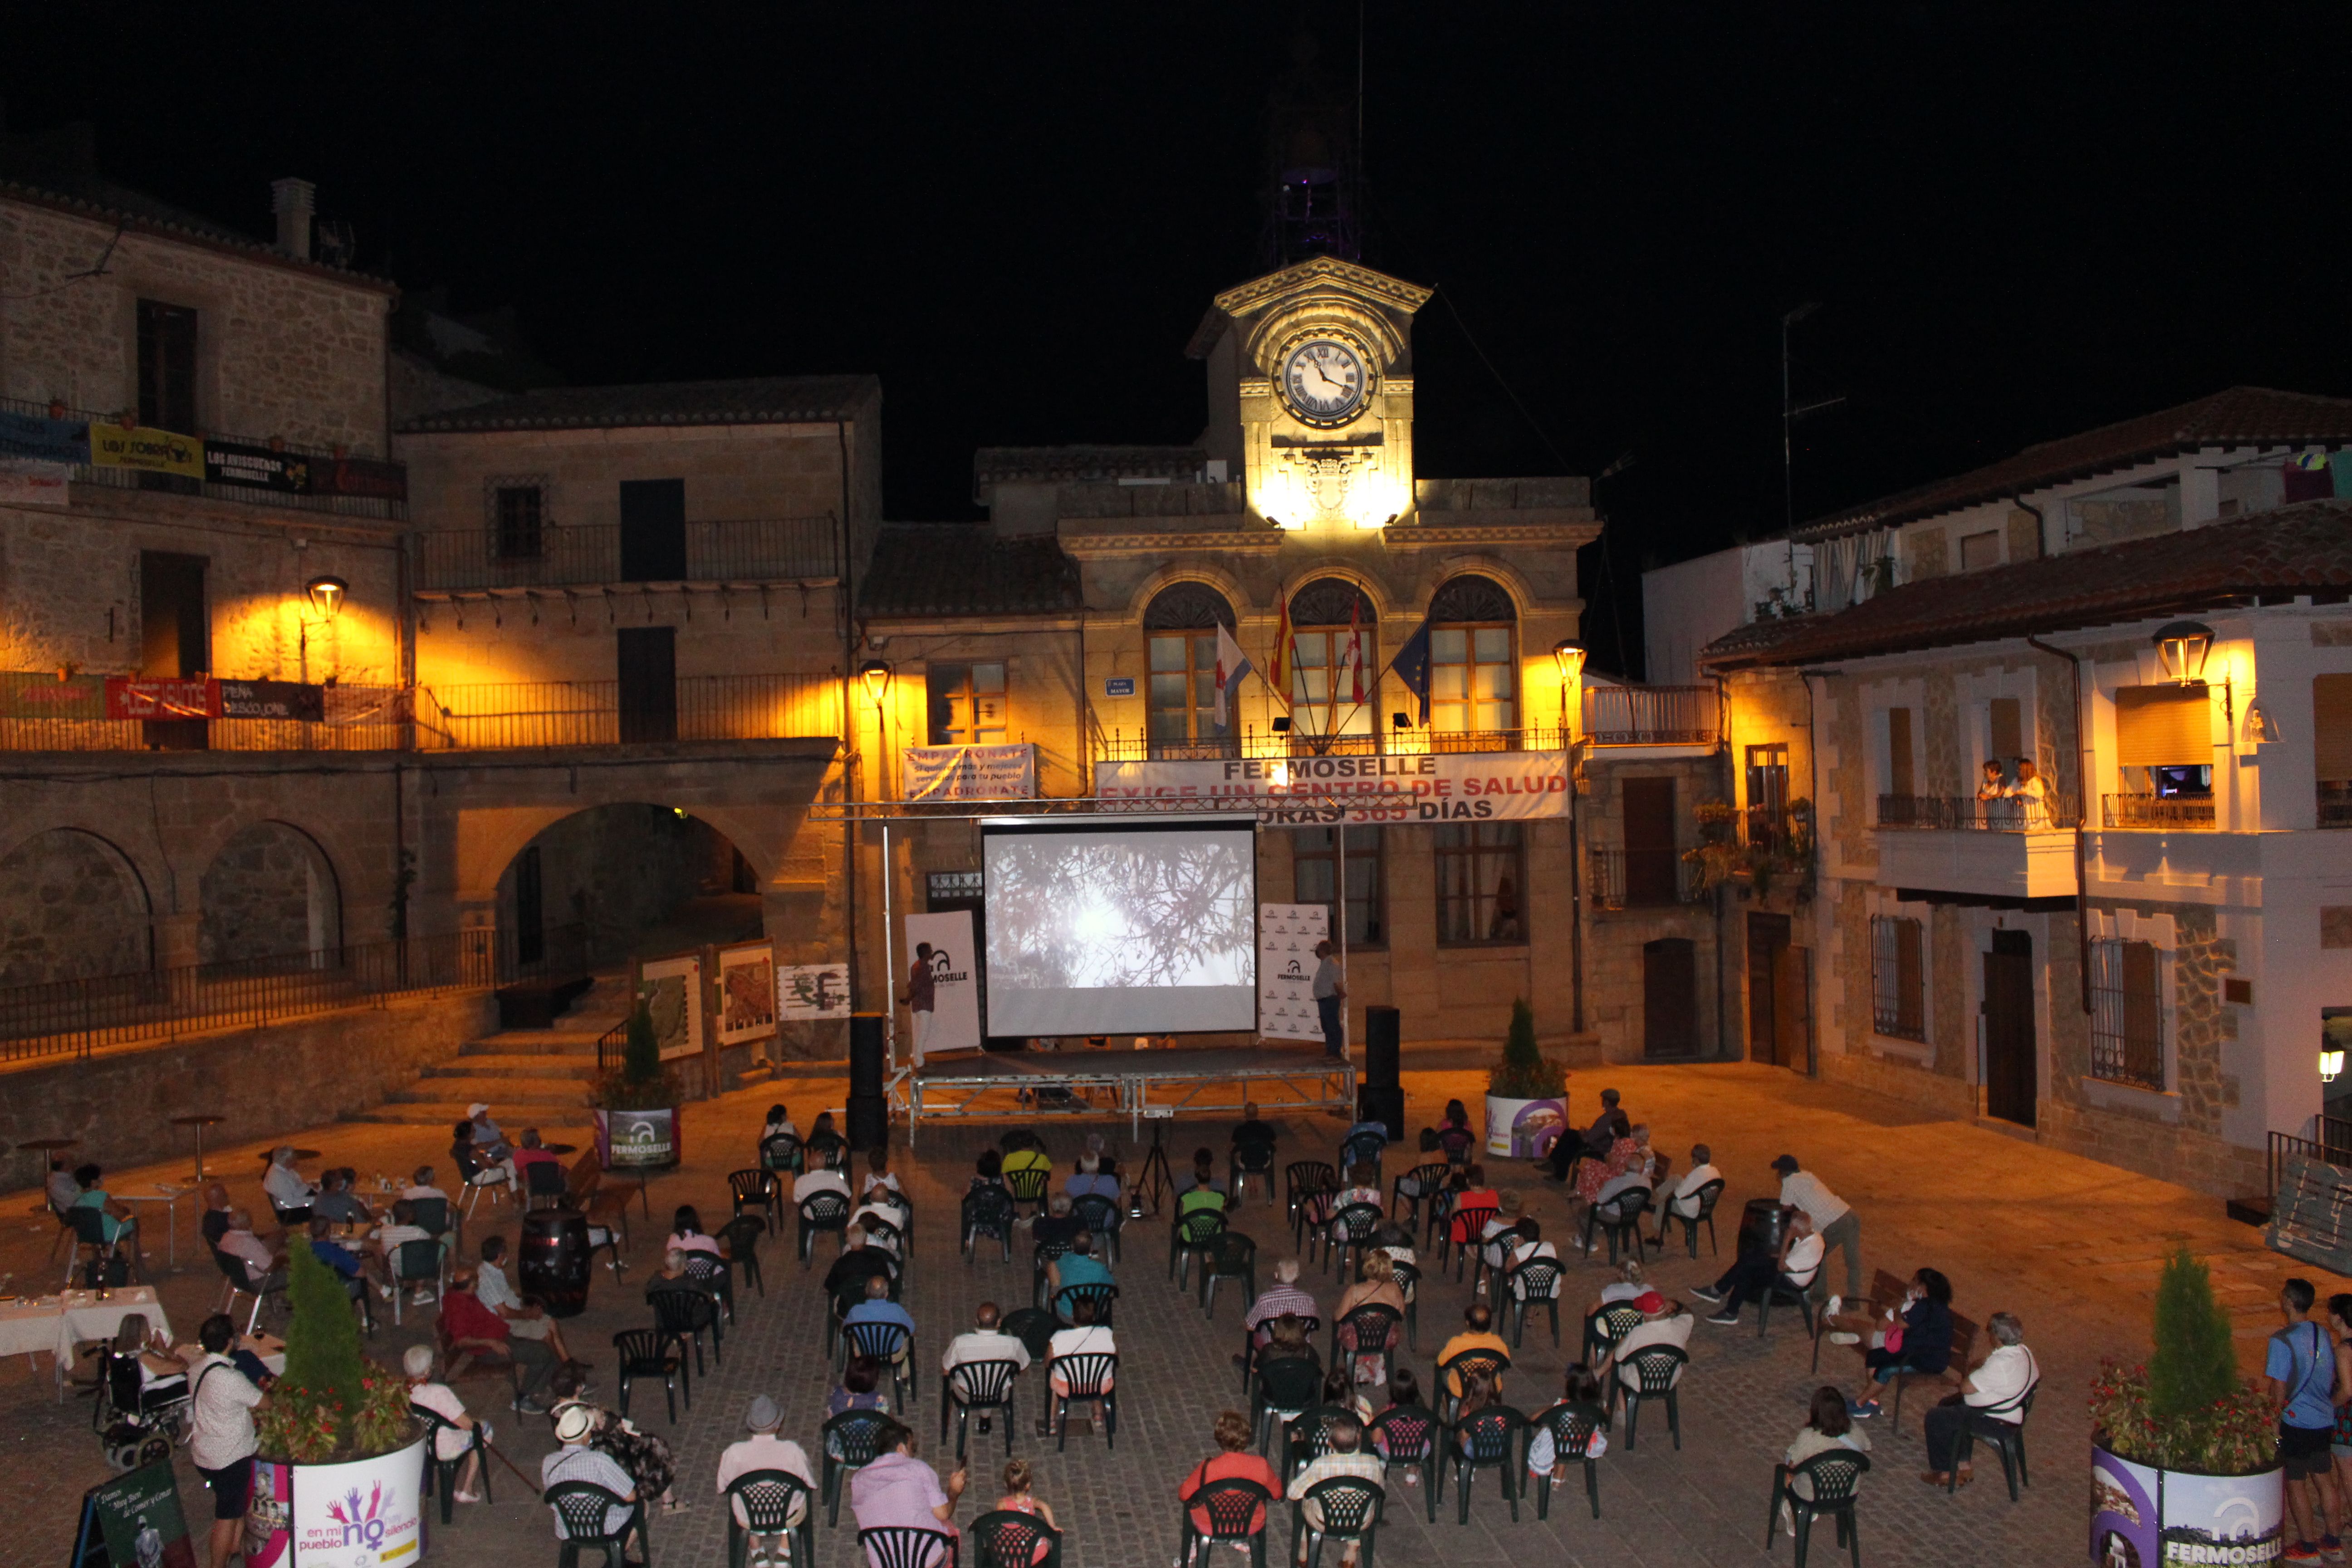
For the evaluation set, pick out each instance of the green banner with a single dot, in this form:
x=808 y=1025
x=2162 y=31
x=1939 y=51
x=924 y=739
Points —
x=134 y=1522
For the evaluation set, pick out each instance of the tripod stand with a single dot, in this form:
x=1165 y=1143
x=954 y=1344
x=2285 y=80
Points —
x=1155 y=1183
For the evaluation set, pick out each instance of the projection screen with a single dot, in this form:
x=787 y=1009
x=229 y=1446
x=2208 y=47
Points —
x=1095 y=930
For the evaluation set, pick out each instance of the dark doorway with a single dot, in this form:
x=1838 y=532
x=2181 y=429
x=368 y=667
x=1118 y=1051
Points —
x=174 y=638
x=1768 y=938
x=1652 y=867
x=531 y=909
x=167 y=366
x=1670 y=997
x=652 y=531
x=2010 y=1067
x=648 y=684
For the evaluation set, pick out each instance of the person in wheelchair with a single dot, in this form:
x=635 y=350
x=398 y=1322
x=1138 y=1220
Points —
x=143 y=1391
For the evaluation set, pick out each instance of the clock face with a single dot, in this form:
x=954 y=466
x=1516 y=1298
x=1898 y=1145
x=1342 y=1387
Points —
x=1323 y=380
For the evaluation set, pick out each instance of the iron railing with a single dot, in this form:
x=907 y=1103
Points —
x=1651 y=715
x=391 y=508
x=757 y=550
x=591 y=713
x=2158 y=811
x=2330 y=1140
x=1120 y=747
x=1639 y=878
x=358 y=719
x=2004 y=814
x=2335 y=810
x=73 y=1017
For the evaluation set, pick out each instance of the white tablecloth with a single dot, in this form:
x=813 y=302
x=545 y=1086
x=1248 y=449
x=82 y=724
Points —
x=56 y=1323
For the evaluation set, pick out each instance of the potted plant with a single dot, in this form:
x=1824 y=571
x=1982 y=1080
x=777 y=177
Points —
x=1526 y=1097
x=2184 y=1452
x=638 y=1125
x=340 y=1463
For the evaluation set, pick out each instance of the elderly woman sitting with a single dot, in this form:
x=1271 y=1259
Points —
x=456 y=1436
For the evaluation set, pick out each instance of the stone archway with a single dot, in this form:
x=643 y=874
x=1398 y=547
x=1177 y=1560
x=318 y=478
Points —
x=627 y=874
x=71 y=906
x=269 y=892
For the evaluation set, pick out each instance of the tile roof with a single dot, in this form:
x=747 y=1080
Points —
x=964 y=569
x=759 y=400
x=2240 y=416
x=2300 y=549
x=104 y=201
x=1072 y=465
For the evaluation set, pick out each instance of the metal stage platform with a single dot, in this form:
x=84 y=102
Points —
x=1151 y=1083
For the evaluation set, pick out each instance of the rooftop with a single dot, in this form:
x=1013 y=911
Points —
x=759 y=400
x=1082 y=463
x=2295 y=549
x=2240 y=416
x=965 y=568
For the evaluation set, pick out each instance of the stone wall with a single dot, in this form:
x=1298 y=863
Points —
x=119 y=1102
x=269 y=892
x=71 y=907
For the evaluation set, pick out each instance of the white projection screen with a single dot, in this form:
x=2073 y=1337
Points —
x=1096 y=930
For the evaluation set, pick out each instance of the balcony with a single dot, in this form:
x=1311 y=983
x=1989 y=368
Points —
x=2165 y=813
x=761 y=550
x=1651 y=715
x=244 y=469
x=1617 y=879
x=1119 y=747
x=1989 y=850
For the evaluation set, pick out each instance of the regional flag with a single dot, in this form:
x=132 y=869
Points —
x=1232 y=665
x=1285 y=655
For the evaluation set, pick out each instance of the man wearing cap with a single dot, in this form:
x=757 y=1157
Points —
x=576 y=1461
x=1834 y=1218
x=488 y=1141
x=763 y=1450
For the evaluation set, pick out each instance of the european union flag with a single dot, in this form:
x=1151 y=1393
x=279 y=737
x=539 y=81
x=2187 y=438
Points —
x=1412 y=666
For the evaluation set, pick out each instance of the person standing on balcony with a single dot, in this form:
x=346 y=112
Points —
x=1330 y=994
x=918 y=997
x=2031 y=794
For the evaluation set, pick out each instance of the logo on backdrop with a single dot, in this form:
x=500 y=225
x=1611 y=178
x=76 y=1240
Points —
x=1285 y=1005
x=943 y=969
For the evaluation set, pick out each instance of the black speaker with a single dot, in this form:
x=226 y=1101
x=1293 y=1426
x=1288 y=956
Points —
x=1381 y=1031
x=867 y=1064
x=1383 y=1105
x=869 y=1122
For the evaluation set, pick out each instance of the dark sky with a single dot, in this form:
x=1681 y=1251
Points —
x=2020 y=221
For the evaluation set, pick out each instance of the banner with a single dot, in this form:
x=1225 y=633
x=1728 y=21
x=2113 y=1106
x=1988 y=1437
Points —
x=812 y=991
x=257 y=468
x=33 y=481
x=135 y=696
x=671 y=990
x=272 y=700
x=639 y=1140
x=955 y=991
x=1287 y=935
x=1450 y=786
x=134 y=1522
x=39 y=695
x=969 y=772
x=2310 y=1214
x=360 y=477
x=149 y=450
x=51 y=440
x=747 y=993
x=363 y=1514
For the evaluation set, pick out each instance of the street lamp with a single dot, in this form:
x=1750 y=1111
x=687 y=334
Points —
x=1569 y=654
x=327 y=594
x=876 y=676
x=2181 y=647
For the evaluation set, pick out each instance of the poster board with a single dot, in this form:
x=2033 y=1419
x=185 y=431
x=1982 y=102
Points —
x=955 y=989
x=134 y=1522
x=671 y=991
x=367 y=1513
x=808 y=991
x=1287 y=935
x=969 y=772
x=747 y=993
x=2311 y=1212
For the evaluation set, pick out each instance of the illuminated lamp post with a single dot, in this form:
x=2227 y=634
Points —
x=1569 y=654
x=326 y=594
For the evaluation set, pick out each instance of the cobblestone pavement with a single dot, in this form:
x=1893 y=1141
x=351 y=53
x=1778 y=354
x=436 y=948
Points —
x=2071 y=1245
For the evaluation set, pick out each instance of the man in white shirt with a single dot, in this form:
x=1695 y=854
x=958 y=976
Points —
x=1792 y=1267
x=1992 y=1390
x=62 y=1188
x=524 y=1320
x=821 y=1180
x=289 y=1193
x=1663 y=1323
x=223 y=1443
x=984 y=1342
x=239 y=1241
x=1685 y=1199
x=420 y=1185
x=1833 y=1220
x=576 y=1461
x=763 y=1450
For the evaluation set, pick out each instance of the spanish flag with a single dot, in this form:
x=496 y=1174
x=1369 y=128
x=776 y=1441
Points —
x=1278 y=676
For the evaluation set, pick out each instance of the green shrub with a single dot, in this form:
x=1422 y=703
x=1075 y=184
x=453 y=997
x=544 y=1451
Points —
x=1523 y=1073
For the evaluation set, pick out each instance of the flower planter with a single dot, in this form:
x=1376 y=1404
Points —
x=651 y=1140
x=360 y=1514
x=2142 y=1516
x=1524 y=1129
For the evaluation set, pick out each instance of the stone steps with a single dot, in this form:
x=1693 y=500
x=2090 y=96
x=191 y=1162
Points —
x=511 y=1065
x=513 y=1115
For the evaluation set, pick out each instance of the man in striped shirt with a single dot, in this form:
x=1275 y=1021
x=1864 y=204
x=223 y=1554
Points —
x=1282 y=1296
x=1346 y=1456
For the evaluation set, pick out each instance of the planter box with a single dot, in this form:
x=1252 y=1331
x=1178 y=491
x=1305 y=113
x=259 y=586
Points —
x=641 y=1140
x=1524 y=1129
x=356 y=1515
x=2142 y=1517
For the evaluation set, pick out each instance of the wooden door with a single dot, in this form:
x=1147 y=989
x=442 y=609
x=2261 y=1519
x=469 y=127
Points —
x=2010 y=1067
x=652 y=531
x=174 y=638
x=1792 y=1009
x=648 y=684
x=1651 y=865
x=1767 y=937
x=1670 y=997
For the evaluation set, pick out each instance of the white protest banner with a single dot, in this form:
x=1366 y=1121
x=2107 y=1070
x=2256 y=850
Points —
x=969 y=772
x=812 y=991
x=955 y=982
x=30 y=481
x=1287 y=935
x=1447 y=786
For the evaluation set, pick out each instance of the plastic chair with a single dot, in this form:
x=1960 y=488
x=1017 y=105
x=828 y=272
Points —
x=1311 y=1438
x=1802 y=1299
x=1191 y=1237
x=977 y=1385
x=1407 y=1279
x=1351 y=1513
x=1620 y=1219
x=1253 y=1158
x=1102 y=1219
x=1351 y=1231
x=1536 y=1280
x=780 y=1153
x=1468 y=1224
x=1028 y=1186
x=713 y=1276
x=1651 y=1373
x=1088 y=1376
x=987 y=1211
x=90 y=1232
x=479 y=1178
x=1040 y=1255
x=821 y=1212
x=2008 y=1438
x=742 y=1235
x=852 y=1440
x=890 y=1344
x=1427 y=1180
x=1233 y=1257
x=1441 y=1209
x=643 y=1353
x=1571 y=1428
x=543 y=1180
x=1232 y=1506
x=1283 y=1389
x=1836 y=1475
x=1104 y=1297
x=1408 y=1435
x=1363 y=1149
x=1493 y=1439
x=415 y=1265
x=1372 y=1329
x=906 y=1546
x=683 y=1316
x=756 y=1189
x=581 y=1509
x=1458 y=1370
x=1605 y=1327
x=444 y=1472
x=1309 y=1327
x=1006 y=1537
x=768 y=1498
x=831 y=1149
x=1708 y=1195
x=1304 y=1180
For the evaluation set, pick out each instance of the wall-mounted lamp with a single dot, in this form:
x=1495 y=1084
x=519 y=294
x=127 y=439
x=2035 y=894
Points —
x=2331 y=1065
x=1282 y=723
x=2181 y=647
x=327 y=594
x=876 y=676
x=1569 y=654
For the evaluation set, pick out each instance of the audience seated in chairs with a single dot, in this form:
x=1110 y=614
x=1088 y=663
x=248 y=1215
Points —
x=1580 y=1385
x=764 y=1449
x=1059 y=1226
x=1607 y=1130
x=819 y=1179
x=1685 y=1201
x=900 y=1492
x=1233 y=1461
x=1477 y=1334
x=337 y=1202
x=532 y=1157
x=525 y=1319
x=1791 y=1268
x=116 y=1226
x=1345 y=1453
x=1663 y=1323
x=346 y=1263
x=1280 y=1300
x=473 y=1328
x=860 y=1388
x=456 y=1439
x=686 y=1233
x=238 y=1242
x=1916 y=1338
x=1083 y=1337
x=1079 y=1265
x=576 y=1461
x=1095 y=1177
x=1997 y=1389
x=289 y=1193
x=1827 y=1426
x=859 y=1261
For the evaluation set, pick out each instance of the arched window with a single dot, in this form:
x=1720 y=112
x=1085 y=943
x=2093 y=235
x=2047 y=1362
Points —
x=1180 y=626
x=1473 y=657
x=1335 y=665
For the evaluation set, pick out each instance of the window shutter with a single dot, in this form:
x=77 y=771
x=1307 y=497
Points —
x=2143 y=999
x=1910 y=990
x=2331 y=726
x=1898 y=752
x=2007 y=730
x=2164 y=726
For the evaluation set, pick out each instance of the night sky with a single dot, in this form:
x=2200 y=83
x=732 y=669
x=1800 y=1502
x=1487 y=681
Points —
x=2020 y=221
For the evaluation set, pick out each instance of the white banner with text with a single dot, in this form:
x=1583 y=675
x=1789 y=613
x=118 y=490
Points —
x=1451 y=786
x=969 y=772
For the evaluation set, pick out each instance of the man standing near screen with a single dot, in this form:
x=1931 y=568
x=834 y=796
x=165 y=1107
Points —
x=918 y=997
x=1330 y=994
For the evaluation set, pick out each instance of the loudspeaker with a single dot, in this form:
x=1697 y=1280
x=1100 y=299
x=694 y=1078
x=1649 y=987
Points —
x=1381 y=1027
x=869 y=1122
x=1383 y=1105
x=867 y=1064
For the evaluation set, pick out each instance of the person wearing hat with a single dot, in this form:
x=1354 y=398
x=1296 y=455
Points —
x=763 y=1450
x=1833 y=1218
x=576 y=1461
x=489 y=1141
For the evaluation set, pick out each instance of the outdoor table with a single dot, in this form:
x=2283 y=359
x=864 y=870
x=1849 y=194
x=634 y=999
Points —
x=561 y=1148
x=199 y=1123
x=56 y=1323
x=169 y=1195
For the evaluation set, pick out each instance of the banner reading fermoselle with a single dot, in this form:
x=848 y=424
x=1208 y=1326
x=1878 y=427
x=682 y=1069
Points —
x=2311 y=1212
x=1453 y=786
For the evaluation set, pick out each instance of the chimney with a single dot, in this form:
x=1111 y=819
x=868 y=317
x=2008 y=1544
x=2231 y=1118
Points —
x=296 y=203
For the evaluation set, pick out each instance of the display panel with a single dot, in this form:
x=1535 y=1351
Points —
x=1092 y=929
